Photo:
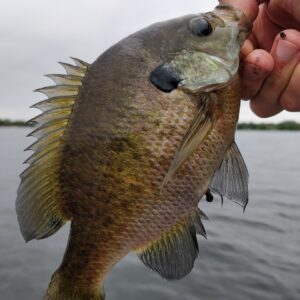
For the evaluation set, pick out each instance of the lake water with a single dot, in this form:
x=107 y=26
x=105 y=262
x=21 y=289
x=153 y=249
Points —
x=251 y=255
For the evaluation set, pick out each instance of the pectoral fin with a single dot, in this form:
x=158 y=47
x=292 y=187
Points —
x=231 y=179
x=200 y=127
x=165 y=77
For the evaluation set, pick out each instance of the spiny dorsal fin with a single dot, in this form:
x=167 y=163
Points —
x=39 y=201
x=80 y=63
x=54 y=102
x=59 y=90
x=200 y=127
x=174 y=253
x=73 y=70
x=231 y=179
x=65 y=79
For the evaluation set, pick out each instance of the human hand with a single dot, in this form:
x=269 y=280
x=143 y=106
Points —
x=271 y=55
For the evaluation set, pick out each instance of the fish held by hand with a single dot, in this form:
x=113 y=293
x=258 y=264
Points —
x=128 y=145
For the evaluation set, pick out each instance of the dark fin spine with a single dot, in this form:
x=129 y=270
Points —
x=40 y=201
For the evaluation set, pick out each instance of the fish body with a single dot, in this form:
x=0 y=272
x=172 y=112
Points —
x=128 y=145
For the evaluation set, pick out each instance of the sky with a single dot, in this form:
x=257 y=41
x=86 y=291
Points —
x=36 y=34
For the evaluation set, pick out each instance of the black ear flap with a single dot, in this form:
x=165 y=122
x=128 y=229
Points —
x=165 y=78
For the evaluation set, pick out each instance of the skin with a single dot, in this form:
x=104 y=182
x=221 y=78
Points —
x=271 y=72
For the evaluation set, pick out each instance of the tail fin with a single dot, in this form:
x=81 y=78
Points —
x=62 y=289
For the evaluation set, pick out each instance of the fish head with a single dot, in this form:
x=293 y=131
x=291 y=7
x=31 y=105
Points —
x=202 y=53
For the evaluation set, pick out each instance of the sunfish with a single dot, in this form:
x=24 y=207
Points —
x=128 y=145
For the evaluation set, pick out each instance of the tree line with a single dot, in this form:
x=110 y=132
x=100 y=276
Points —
x=287 y=125
x=18 y=123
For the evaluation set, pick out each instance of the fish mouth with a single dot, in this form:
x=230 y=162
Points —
x=222 y=71
x=245 y=27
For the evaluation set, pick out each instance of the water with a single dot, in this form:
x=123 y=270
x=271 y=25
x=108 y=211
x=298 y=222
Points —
x=248 y=256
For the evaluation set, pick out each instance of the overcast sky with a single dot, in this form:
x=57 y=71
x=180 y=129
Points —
x=35 y=34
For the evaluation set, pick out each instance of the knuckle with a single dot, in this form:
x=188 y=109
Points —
x=262 y=114
x=259 y=110
x=289 y=103
x=249 y=92
x=272 y=81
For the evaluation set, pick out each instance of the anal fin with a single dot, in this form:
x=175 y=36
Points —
x=174 y=253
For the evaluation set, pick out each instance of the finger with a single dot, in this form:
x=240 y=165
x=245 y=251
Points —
x=286 y=57
x=290 y=99
x=257 y=66
x=249 y=45
x=249 y=7
x=285 y=46
x=264 y=29
x=285 y=13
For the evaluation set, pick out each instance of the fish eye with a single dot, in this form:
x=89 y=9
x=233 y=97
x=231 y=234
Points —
x=201 y=27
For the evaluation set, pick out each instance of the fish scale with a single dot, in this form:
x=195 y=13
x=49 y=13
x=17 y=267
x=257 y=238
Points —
x=128 y=146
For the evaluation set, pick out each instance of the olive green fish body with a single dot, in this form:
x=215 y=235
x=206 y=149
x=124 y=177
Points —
x=131 y=161
x=144 y=132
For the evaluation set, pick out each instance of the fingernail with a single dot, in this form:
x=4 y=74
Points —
x=285 y=51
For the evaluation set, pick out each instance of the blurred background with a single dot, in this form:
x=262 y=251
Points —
x=255 y=255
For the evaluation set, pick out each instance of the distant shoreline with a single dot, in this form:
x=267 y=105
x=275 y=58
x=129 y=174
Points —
x=287 y=125
x=16 y=123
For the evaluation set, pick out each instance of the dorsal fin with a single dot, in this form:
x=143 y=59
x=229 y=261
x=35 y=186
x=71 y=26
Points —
x=39 y=201
x=231 y=178
x=174 y=253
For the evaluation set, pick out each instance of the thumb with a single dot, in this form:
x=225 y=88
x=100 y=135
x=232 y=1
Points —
x=285 y=13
